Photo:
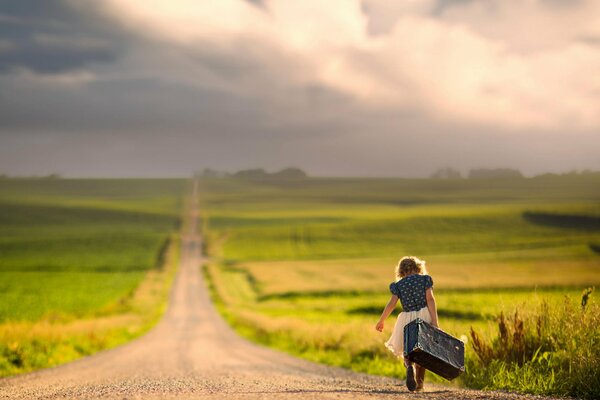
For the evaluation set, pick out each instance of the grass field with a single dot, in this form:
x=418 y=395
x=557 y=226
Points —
x=75 y=259
x=304 y=265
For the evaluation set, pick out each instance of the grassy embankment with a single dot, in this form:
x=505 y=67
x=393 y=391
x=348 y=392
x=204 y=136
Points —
x=304 y=265
x=85 y=265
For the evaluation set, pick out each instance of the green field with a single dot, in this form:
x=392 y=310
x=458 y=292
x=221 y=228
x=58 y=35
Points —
x=79 y=249
x=304 y=265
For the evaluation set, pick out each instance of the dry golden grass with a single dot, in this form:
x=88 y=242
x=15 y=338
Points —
x=316 y=341
x=326 y=329
x=278 y=277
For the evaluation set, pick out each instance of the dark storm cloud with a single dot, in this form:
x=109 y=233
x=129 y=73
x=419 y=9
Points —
x=258 y=3
x=441 y=5
x=50 y=37
x=145 y=104
x=562 y=3
x=162 y=100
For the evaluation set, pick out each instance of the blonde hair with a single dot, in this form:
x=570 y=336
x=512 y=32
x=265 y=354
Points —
x=409 y=265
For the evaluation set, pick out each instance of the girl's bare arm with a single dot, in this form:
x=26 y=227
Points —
x=386 y=312
x=432 y=307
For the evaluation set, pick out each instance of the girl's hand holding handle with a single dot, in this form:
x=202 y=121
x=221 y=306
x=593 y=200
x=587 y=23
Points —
x=379 y=326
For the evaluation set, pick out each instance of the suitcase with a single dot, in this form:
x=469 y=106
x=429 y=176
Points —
x=434 y=349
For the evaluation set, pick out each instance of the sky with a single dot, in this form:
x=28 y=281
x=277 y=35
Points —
x=338 y=87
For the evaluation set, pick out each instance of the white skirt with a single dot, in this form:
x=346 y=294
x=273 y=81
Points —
x=396 y=342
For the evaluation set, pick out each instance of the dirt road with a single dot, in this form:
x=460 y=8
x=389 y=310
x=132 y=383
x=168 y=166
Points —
x=192 y=353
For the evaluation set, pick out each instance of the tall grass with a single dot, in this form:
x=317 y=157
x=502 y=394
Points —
x=549 y=350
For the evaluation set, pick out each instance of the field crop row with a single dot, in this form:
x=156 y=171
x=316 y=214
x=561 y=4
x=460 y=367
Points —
x=282 y=221
x=296 y=278
x=76 y=258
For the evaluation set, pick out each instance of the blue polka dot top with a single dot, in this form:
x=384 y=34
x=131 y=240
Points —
x=411 y=291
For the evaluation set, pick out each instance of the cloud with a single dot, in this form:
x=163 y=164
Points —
x=341 y=88
x=526 y=26
x=52 y=37
x=6 y=45
x=465 y=63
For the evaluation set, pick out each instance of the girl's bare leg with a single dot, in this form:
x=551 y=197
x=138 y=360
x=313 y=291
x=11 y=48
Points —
x=419 y=376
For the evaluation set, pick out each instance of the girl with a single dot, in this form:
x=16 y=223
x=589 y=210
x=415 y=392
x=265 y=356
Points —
x=414 y=288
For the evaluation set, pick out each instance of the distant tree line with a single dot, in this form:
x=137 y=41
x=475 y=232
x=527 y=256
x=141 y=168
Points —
x=478 y=173
x=485 y=173
x=47 y=177
x=492 y=173
x=257 y=173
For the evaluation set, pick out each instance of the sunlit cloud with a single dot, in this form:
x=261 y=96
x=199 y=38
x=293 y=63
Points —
x=466 y=63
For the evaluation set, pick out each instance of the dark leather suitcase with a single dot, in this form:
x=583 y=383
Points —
x=434 y=349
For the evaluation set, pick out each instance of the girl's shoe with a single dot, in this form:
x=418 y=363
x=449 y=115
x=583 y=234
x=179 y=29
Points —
x=411 y=383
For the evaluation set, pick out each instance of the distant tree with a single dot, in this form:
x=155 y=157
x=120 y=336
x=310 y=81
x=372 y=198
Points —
x=582 y=172
x=209 y=173
x=590 y=172
x=52 y=176
x=446 y=173
x=290 y=173
x=486 y=173
x=257 y=173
